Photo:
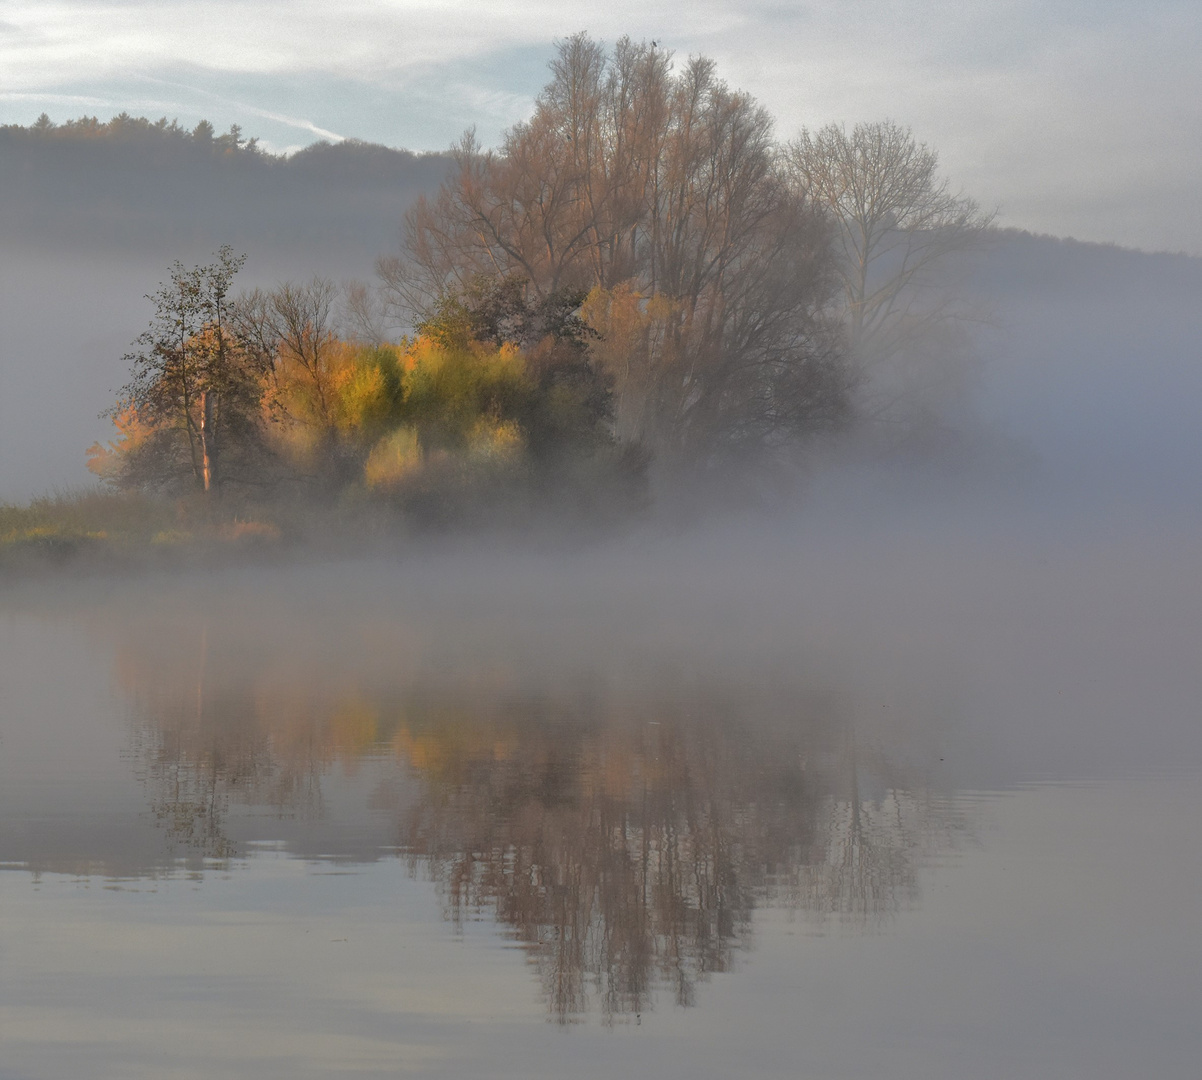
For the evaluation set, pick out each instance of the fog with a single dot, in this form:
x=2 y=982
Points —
x=1095 y=366
x=860 y=769
x=948 y=760
x=1059 y=490
x=1083 y=386
x=1049 y=520
x=86 y=231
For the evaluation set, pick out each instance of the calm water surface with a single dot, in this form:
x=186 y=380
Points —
x=740 y=807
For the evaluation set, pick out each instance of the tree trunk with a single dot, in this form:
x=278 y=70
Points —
x=208 y=441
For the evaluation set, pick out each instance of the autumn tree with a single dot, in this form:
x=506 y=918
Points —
x=318 y=383
x=294 y=326
x=567 y=406
x=494 y=407
x=192 y=403
x=494 y=403
x=635 y=181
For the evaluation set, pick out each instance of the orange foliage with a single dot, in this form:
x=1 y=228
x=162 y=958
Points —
x=107 y=461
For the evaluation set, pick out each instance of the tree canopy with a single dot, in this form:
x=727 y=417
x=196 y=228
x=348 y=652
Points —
x=659 y=196
x=494 y=401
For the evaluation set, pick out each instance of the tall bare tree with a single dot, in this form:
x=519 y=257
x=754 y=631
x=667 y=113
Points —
x=896 y=223
x=294 y=325
x=635 y=180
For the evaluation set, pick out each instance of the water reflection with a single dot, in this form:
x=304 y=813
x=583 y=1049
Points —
x=623 y=827
x=631 y=854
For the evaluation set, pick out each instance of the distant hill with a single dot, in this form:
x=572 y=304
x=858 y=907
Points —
x=1095 y=362
x=130 y=184
x=1018 y=261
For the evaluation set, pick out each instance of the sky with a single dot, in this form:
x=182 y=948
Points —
x=1071 y=117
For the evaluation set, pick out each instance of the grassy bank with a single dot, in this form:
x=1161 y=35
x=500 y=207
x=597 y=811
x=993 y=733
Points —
x=99 y=529
x=109 y=528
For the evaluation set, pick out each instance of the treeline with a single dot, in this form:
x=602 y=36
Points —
x=161 y=135
x=138 y=141
x=640 y=273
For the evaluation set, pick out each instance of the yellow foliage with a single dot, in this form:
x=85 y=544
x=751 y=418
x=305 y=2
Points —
x=362 y=399
x=495 y=441
x=395 y=411
x=352 y=399
x=394 y=458
x=423 y=352
x=426 y=356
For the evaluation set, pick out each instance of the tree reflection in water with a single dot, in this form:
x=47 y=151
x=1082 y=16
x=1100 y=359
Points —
x=623 y=834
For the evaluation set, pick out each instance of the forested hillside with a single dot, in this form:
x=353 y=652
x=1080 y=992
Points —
x=129 y=185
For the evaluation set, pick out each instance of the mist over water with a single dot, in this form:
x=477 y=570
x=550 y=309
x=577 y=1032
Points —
x=709 y=775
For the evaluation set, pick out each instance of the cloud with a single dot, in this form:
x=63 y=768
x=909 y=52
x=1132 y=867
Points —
x=71 y=100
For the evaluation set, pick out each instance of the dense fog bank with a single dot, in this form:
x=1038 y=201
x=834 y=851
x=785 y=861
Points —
x=984 y=652
x=1095 y=366
x=1082 y=384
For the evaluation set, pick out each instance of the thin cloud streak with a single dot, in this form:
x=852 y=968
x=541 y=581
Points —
x=254 y=110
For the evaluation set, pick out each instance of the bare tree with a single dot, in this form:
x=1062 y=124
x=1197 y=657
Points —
x=896 y=223
x=633 y=180
x=365 y=312
x=294 y=326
